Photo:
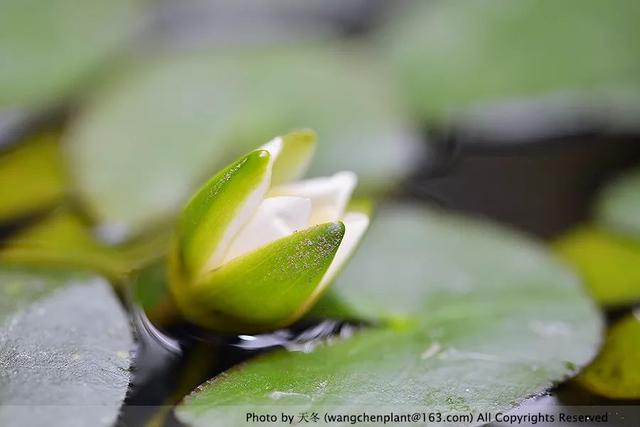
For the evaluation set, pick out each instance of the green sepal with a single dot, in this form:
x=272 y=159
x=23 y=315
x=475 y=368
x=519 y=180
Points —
x=207 y=217
x=264 y=290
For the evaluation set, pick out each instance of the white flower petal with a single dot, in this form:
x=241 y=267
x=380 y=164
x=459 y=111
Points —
x=276 y=217
x=355 y=224
x=329 y=195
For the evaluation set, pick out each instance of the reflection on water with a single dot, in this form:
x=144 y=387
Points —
x=296 y=339
x=170 y=364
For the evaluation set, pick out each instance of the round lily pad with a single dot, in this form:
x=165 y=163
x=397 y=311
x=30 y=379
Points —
x=166 y=124
x=65 y=348
x=607 y=262
x=50 y=48
x=31 y=177
x=466 y=317
x=450 y=57
x=614 y=373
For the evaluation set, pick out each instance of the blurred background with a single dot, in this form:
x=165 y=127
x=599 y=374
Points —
x=514 y=111
x=527 y=113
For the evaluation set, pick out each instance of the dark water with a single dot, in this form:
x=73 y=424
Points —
x=543 y=187
x=170 y=364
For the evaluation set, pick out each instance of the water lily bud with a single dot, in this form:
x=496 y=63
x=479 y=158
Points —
x=256 y=247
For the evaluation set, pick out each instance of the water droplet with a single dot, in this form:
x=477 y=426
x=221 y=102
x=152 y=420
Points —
x=325 y=332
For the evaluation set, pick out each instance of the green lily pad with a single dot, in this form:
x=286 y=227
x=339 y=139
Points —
x=155 y=133
x=63 y=238
x=50 y=48
x=614 y=373
x=607 y=262
x=31 y=177
x=466 y=317
x=65 y=348
x=618 y=207
x=452 y=56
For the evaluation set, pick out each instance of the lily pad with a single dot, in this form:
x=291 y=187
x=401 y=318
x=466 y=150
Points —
x=614 y=373
x=31 y=177
x=466 y=317
x=450 y=57
x=618 y=208
x=50 y=48
x=65 y=348
x=607 y=262
x=247 y=22
x=155 y=133
x=63 y=238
